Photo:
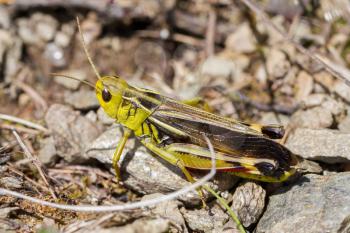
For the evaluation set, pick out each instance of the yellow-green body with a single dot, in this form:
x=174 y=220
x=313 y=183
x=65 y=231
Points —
x=174 y=131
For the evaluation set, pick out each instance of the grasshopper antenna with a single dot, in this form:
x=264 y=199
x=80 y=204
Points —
x=86 y=50
x=74 y=78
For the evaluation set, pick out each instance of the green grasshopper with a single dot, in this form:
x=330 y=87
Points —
x=174 y=131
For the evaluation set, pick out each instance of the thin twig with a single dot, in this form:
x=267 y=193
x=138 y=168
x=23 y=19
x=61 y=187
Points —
x=6 y=117
x=337 y=71
x=35 y=161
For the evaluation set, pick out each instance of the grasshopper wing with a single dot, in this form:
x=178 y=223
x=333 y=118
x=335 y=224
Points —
x=186 y=124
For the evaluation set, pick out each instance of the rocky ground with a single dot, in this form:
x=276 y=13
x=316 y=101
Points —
x=220 y=50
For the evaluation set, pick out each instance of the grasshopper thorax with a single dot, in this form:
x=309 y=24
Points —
x=109 y=92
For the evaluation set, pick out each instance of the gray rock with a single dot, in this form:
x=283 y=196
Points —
x=143 y=225
x=315 y=204
x=72 y=133
x=218 y=67
x=248 y=202
x=47 y=153
x=203 y=220
x=168 y=210
x=329 y=146
x=82 y=99
x=314 y=118
x=145 y=173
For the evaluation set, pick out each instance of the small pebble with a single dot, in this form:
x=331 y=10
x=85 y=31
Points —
x=242 y=40
x=218 y=67
x=343 y=90
x=248 y=202
x=62 y=39
x=304 y=85
x=314 y=100
x=277 y=63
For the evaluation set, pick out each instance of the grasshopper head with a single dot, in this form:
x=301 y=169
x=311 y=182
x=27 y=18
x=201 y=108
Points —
x=109 y=92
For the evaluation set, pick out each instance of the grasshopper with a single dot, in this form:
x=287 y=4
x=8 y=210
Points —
x=174 y=131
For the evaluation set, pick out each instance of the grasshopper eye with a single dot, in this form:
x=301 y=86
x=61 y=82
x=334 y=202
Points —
x=106 y=95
